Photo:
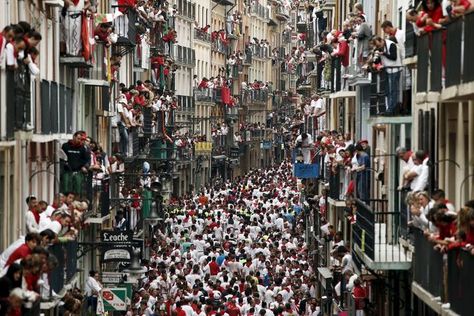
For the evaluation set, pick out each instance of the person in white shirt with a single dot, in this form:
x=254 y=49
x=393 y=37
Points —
x=92 y=289
x=33 y=215
x=418 y=175
x=305 y=142
x=14 y=51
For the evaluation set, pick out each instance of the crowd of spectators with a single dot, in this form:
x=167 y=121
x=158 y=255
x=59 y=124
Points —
x=27 y=265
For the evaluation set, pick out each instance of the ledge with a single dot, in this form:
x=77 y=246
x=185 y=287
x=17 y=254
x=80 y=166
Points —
x=461 y=92
x=40 y=138
x=433 y=302
x=420 y=97
x=390 y=119
x=93 y=82
x=336 y=203
x=410 y=60
x=343 y=94
x=387 y=262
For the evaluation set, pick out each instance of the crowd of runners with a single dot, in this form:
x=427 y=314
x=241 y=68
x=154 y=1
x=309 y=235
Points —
x=237 y=248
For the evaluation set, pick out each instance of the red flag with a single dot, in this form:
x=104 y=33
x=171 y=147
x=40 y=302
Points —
x=86 y=49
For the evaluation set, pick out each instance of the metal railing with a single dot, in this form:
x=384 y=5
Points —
x=456 y=41
x=254 y=96
x=260 y=51
x=376 y=231
x=379 y=92
x=125 y=25
x=282 y=12
x=338 y=183
x=447 y=275
x=261 y=11
x=202 y=35
x=184 y=55
x=410 y=40
x=219 y=46
x=18 y=99
x=66 y=253
x=427 y=265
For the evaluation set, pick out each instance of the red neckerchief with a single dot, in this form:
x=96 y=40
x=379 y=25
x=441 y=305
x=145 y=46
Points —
x=36 y=215
x=76 y=2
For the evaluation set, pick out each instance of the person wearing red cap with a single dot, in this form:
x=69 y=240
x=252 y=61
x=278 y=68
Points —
x=365 y=145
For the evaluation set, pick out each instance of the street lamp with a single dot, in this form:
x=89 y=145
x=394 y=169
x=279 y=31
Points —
x=157 y=205
x=135 y=270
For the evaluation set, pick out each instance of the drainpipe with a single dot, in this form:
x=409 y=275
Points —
x=21 y=10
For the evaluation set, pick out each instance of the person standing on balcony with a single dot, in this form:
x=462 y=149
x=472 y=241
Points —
x=391 y=31
x=417 y=177
x=363 y=35
x=363 y=173
x=77 y=164
x=389 y=54
x=305 y=143
x=123 y=123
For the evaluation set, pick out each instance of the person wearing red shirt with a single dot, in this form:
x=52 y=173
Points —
x=31 y=241
x=431 y=17
x=214 y=267
x=359 y=294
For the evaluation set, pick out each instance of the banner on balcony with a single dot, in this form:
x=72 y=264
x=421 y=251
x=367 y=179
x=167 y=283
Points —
x=306 y=171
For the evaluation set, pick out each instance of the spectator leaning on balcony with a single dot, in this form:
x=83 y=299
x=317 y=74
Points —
x=77 y=164
x=14 y=51
x=392 y=31
x=390 y=57
x=32 y=218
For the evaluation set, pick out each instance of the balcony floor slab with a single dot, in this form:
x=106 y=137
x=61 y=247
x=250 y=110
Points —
x=343 y=94
x=387 y=257
x=390 y=120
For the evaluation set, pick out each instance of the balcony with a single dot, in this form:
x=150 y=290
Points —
x=282 y=13
x=379 y=93
x=66 y=270
x=56 y=112
x=185 y=104
x=18 y=100
x=253 y=97
x=73 y=53
x=184 y=56
x=442 y=278
x=339 y=179
x=202 y=36
x=220 y=46
x=208 y=95
x=129 y=28
x=225 y=2
x=376 y=237
x=260 y=11
x=458 y=84
x=260 y=52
